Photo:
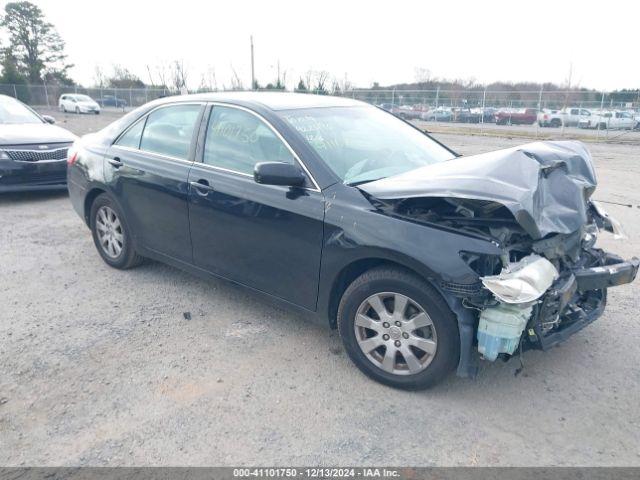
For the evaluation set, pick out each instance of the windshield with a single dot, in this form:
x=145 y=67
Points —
x=12 y=111
x=361 y=144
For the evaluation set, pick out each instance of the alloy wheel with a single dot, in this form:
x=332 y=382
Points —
x=110 y=232
x=395 y=333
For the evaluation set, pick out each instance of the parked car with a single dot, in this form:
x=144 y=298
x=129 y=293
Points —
x=614 y=120
x=439 y=114
x=522 y=116
x=403 y=246
x=74 y=102
x=112 y=101
x=486 y=114
x=549 y=118
x=465 y=115
x=406 y=112
x=33 y=151
x=569 y=117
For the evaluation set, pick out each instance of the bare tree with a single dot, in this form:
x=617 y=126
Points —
x=179 y=75
x=99 y=78
x=308 y=78
x=236 y=82
x=322 y=77
x=345 y=84
x=422 y=75
x=208 y=80
x=151 y=81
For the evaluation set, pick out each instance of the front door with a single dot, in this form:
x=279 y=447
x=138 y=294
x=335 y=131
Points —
x=263 y=236
x=147 y=169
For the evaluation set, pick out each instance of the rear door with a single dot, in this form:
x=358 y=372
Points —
x=264 y=236
x=147 y=169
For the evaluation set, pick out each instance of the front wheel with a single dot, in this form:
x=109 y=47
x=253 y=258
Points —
x=398 y=330
x=111 y=234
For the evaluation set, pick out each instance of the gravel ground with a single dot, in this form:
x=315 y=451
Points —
x=101 y=367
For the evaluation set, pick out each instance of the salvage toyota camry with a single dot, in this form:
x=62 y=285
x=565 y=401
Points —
x=425 y=261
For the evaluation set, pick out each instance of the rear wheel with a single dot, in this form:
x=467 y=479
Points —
x=398 y=330
x=111 y=234
x=556 y=123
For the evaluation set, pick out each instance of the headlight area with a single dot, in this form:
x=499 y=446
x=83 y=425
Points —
x=516 y=288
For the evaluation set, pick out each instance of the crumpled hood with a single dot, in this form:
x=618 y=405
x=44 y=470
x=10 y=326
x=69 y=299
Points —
x=545 y=185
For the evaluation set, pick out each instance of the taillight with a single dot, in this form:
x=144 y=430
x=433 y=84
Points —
x=72 y=157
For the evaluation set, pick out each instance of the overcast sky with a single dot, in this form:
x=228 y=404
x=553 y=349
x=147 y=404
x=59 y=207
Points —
x=366 y=41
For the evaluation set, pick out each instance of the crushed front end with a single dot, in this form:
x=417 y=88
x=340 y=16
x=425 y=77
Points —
x=533 y=203
x=541 y=292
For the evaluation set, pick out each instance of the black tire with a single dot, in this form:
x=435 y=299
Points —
x=389 y=279
x=127 y=257
x=555 y=123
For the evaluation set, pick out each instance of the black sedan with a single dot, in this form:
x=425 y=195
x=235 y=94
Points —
x=33 y=152
x=424 y=261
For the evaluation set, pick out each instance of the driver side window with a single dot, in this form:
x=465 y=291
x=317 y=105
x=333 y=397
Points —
x=236 y=140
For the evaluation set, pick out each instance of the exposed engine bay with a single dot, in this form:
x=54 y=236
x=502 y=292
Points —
x=533 y=203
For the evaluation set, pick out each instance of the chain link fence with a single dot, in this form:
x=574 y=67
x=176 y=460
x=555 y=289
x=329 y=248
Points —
x=48 y=95
x=479 y=98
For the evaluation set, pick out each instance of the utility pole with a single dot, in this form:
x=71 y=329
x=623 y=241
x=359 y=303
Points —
x=253 y=76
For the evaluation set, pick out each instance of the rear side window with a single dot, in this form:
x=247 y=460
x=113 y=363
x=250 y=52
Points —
x=237 y=140
x=168 y=130
x=131 y=138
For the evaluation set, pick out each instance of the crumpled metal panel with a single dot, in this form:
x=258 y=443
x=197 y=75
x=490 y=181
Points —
x=545 y=185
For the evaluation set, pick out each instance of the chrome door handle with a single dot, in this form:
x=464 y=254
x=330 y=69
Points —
x=201 y=187
x=115 y=161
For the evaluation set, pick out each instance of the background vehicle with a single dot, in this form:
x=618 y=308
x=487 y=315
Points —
x=406 y=112
x=33 y=152
x=549 y=118
x=111 y=101
x=613 y=120
x=440 y=114
x=208 y=183
x=522 y=116
x=569 y=117
x=78 y=103
x=465 y=115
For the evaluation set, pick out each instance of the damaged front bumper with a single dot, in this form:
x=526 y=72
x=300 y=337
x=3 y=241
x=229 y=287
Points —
x=575 y=300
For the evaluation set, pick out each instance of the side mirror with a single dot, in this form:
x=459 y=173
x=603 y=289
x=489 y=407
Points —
x=278 y=173
x=49 y=119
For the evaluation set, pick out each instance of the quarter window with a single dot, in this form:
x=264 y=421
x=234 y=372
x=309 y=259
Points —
x=168 y=130
x=236 y=140
x=131 y=138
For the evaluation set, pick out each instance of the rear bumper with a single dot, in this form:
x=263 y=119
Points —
x=18 y=176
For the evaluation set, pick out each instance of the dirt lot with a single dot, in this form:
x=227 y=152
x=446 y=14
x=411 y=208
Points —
x=101 y=367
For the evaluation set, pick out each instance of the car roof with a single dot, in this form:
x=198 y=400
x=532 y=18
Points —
x=270 y=100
